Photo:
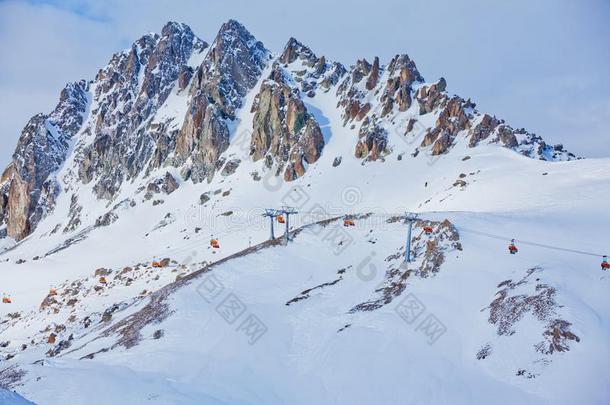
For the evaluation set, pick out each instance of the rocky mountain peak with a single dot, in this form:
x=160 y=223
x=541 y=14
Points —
x=170 y=100
x=232 y=66
x=307 y=70
x=170 y=55
x=128 y=93
x=27 y=188
x=172 y=28
x=296 y=50
x=403 y=67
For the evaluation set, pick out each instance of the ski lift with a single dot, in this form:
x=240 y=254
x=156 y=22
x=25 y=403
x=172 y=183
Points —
x=428 y=230
x=103 y=280
x=214 y=243
x=512 y=248
x=280 y=219
x=348 y=222
x=6 y=300
x=605 y=264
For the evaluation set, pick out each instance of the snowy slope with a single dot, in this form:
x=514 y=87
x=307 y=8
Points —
x=154 y=335
x=11 y=398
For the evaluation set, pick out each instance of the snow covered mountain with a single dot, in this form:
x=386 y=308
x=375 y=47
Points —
x=111 y=200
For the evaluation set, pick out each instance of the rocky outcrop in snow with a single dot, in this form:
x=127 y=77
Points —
x=372 y=140
x=308 y=71
x=365 y=97
x=284 y=132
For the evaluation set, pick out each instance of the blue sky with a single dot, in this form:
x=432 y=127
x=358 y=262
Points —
x=543 y=65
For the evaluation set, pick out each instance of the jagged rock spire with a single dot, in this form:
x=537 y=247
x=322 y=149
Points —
x=296 y=50
x=231 y=68
x=26 y=189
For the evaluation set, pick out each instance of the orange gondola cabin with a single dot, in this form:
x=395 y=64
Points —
x=348 y=222
x=605 y=264
x=428 y=230
x=280 y=219
x=214 y=243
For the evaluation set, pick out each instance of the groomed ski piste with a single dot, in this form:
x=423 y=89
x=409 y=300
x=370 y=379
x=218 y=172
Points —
x=334 y=315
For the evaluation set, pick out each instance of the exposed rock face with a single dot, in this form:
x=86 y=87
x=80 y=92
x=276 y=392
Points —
x=18 y=208
x=74 y=214
x=106 y=219
x=430 y=97
x=231 y=68
x=429 y=254
x=295 y=50
x=128 y=92
x=284 y=132
x=403 y=74
x=356 y=99
x=28 y=187
x=307 y=70
x=351 y=95
x=167 y=184
x=230 y=167
x=123 y=126
x=204 y=136
x=371 y=82
x=483 y=130
x=372 y=140
x=451 y=120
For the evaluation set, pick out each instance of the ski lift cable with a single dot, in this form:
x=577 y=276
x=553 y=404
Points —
x=526 y=242
x=324 y=215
